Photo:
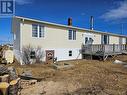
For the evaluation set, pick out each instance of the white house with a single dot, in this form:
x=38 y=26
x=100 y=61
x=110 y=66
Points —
x=61 y=41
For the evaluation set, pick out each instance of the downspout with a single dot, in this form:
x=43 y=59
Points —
x=21 y=59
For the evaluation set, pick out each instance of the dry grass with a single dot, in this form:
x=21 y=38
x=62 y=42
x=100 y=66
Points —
x=86 y=78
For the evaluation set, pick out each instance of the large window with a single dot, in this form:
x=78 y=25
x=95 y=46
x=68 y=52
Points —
x=72 y=35
x=37 y=31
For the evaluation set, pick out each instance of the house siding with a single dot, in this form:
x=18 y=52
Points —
x=97 y=39
x=123 y=40
x=113 y=39
x=16 y=34
x=16 y=39
x=55 y=38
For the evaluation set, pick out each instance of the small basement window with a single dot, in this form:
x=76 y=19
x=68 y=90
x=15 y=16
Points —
x=32 y=55
x=70 y=53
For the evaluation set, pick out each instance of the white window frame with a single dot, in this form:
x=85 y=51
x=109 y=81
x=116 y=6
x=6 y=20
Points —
x=42 y=31
x=38 y=31
x=34 y=30
x=73 y=34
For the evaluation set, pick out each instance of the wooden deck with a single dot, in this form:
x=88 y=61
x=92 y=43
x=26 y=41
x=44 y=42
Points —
x=104 y=50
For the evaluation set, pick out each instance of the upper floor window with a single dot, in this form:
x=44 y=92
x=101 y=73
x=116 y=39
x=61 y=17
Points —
x=37 y=31
x=34 y=30
x=41 y=31
x=72 y=35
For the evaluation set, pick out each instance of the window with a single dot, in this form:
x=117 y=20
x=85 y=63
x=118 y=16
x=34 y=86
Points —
x=90 y=41
x=86 y=40
x=32 y=55
x=105 y=39
x=37 y=31
x=72 y=35
x=70 y=53
x=34 y=30
x=41 y=31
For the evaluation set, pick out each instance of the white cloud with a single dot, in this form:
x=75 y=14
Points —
x=23 y=2
x=118 y=13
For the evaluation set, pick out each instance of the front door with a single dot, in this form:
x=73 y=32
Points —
x=49 y=56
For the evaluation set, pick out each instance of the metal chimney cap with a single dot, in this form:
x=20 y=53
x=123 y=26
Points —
x=91 y=23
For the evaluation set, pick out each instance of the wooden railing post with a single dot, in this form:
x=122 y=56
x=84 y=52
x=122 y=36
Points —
x=103 y=48
x=126 y=47
x=120 y=47
x=113 y=48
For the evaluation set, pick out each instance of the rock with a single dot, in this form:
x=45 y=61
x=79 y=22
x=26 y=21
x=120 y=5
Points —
x=27 y=73
x=32 y=82
x=118 y=62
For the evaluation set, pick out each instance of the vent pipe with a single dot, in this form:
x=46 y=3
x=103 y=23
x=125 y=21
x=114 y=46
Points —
x=91 y=23
x=69 y=21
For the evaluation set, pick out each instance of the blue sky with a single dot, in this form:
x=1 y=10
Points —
x=109 y=15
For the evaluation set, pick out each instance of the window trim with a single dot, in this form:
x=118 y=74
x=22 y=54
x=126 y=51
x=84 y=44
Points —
x=33 y=25
x=70 y=33
x=73 y=34
x=42 y=31
x=38 y=31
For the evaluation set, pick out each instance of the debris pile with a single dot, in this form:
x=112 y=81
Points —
x=3 y=70
x=9 y=81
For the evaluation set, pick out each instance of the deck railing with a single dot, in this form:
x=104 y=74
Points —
x=104 y=49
